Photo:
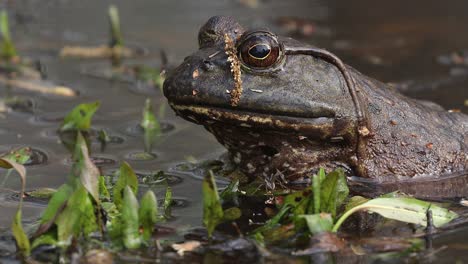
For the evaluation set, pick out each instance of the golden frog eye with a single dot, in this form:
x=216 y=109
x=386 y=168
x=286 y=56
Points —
x=259 y=50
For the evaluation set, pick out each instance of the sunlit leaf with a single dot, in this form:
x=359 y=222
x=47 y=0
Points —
x=129 y=219
x=150 y=125
x=148 y=214
x=318 y=223
x=84 y=168
x=80 y=117
x=126 y=177
x=334 y=191
x=403 y=209
x=212 y=210
x=22 y=241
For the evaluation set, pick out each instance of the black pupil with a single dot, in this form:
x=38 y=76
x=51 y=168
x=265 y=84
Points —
x=259 y=51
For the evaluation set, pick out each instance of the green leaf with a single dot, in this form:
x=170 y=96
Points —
x=273 y=222
x=103 y=191
x=20 y=155
x=148 y=214
x=8 y=50
x=49 y=238
x=127 y=177
x=334 y=191
x=212 y=209
x=116 y=33
x=77 y=217
x=80 y=117
x=403 y=209
x=42 y=193
x=84 y=168
x=168 y=201
x=129 y=219
x=150 y=125
x=54 y=207
x=316 y=187
x=230 y=192
x=318 y=223
x=22 y=241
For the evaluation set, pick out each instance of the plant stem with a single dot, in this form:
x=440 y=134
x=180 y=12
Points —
x=345 y=216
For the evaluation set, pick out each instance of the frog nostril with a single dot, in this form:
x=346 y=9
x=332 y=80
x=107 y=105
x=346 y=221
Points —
x=207 y=65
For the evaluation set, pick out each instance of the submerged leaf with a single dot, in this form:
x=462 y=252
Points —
x=79 y=119
x=129 y=219
x=148 y=214
x=404 y=209
x=212 y=209
x=127 y=177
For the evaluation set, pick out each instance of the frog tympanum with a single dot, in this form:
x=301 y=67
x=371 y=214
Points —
x=301 y=108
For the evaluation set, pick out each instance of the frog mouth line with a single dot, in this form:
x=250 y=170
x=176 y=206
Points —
x=324 y=127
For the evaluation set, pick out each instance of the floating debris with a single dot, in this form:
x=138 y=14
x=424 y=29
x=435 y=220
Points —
x=187 y=246
x=98 y=52
x=39 y=87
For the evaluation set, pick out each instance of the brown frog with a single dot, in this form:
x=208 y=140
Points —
x=300 y=108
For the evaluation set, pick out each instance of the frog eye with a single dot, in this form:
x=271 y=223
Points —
x=259 y=50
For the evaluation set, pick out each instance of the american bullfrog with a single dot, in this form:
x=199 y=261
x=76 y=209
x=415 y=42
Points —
x=299 y=108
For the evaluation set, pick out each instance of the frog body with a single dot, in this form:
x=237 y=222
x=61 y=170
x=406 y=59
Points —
x=301 y=108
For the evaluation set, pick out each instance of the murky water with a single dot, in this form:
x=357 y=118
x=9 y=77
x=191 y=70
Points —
x=392 y=41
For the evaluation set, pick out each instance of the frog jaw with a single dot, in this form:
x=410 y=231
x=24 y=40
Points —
x=268 y=146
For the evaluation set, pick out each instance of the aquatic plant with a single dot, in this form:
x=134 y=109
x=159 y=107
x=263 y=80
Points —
x=150 y=125
x=7 y=47
x=318 y=208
